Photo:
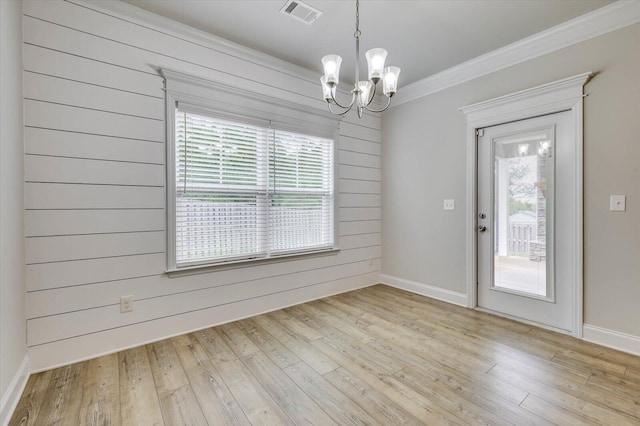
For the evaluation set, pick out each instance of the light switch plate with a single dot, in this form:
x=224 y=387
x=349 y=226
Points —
x=449 y=204
x=618 y=203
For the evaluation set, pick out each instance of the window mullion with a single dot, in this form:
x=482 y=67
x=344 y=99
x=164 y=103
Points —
x=271 y=177
x=263 y=184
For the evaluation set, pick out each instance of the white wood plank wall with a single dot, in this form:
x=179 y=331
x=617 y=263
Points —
x=95 y=187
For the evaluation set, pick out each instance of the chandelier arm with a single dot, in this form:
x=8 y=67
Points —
x=373 y=93
x=348 y=107
x=338 y=113
x=379 y=110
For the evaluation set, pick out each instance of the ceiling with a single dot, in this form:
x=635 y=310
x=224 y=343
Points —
x=422 y=37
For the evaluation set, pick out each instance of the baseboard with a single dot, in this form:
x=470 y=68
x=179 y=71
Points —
x=81 y=348
x=425 y=290
x=611 y=339
x=14 y=392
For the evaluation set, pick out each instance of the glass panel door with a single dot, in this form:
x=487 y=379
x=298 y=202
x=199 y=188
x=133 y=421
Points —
x=527 y=187
x=522 y=213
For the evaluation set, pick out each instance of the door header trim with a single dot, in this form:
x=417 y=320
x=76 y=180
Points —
x=555 y=88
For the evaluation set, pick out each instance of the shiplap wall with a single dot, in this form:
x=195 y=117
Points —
x=95 y=187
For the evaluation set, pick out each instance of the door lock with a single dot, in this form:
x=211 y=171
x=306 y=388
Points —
x=482 y=228
x=482 y=216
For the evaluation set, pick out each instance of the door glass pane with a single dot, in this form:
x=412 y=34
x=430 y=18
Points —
x=522 y=167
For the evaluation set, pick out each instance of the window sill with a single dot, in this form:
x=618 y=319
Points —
x=233 y=264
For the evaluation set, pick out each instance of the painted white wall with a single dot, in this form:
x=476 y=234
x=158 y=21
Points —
x=95 y=185
x=95 y=182
x=12 y=276
x=424 y=161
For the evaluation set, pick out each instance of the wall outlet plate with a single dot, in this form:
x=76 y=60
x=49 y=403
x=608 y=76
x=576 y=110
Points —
x=126 y=304
x=449 y=204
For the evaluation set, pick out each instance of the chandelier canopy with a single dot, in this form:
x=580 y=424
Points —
x=364 y=90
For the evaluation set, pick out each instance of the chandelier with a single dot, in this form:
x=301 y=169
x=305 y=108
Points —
x=364 y=91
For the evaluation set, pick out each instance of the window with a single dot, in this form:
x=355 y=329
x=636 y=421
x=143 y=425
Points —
x=248 y=189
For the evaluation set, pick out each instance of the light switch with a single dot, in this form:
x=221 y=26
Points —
x=450 y=204
x=618 y=203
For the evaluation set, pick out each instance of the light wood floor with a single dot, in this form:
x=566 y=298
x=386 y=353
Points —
x=372 y=356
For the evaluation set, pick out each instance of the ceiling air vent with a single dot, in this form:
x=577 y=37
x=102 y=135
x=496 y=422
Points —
x=300 y=11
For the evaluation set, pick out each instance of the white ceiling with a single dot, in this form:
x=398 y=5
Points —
x=423 y=37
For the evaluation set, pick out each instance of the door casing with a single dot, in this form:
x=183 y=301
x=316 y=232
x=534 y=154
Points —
x=561 y=95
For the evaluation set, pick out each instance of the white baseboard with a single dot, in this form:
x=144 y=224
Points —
x=14 y=392
x=425 y=290
x=611 y=339
x=601 y=336
x=81 y=348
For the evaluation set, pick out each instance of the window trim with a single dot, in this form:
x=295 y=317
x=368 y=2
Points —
x=233 y=264
x=221 y=101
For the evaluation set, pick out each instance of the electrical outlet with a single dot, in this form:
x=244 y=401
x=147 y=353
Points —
x=126 y=304
x=449 y=204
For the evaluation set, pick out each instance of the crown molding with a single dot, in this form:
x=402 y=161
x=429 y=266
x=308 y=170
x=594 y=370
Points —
x=130 y=13
x=612 y=17
x=144 y=18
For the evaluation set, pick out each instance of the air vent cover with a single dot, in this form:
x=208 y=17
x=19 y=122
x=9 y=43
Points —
x=300 y=11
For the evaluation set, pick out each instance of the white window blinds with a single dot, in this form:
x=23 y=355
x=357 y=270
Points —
x=249 y=191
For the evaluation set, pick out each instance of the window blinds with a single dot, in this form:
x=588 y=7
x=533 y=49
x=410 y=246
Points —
x=249 y=191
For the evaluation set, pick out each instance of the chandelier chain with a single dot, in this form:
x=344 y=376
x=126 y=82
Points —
x=357 y=34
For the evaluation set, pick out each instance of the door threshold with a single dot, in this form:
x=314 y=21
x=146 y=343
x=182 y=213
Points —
x=525 y=321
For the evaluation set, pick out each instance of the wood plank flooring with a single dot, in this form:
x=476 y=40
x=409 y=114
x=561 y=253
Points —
x=372 y=356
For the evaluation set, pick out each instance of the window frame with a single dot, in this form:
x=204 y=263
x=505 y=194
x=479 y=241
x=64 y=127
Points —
x=250 y=108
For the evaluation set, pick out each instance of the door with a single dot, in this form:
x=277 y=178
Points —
x=526 y=192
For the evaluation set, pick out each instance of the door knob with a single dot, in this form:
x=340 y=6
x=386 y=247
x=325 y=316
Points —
x=482 y=228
